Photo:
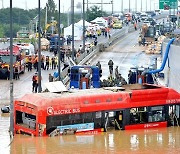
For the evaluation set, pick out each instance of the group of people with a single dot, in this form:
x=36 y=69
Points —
x=113 y=80
x=47 y=62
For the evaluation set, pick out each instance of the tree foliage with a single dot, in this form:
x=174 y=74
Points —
x=22 y=18
x=94 y=12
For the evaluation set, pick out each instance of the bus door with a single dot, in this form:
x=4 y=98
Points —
x=108 y=120
x=174 y=115
x=121 y=119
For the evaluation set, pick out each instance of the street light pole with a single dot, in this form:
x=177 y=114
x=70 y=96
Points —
x=72 y=22
x=39 y=51
x=11 y=76
x=121 y=6
x=112 y=6
x=141 y=5
x=146 y=5
x=129 y=5
x=136 y=5
x=59 y=51
x=84 y=26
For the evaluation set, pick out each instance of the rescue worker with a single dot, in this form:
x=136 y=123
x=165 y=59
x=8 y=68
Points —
x=53 y=62
x=116 y=72
x=42 y=61
x=34 y=83
x=135 y=26
x=140 y=40
x=95 y=41
x=98 y=65
x=110 y=63
x=29 y=64
x=130 y=77
x=51 y=78
x=110 y=81
x=56 y=62
x=16 y=73
x=47 y=63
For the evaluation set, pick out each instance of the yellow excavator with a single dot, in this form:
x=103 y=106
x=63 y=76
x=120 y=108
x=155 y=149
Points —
x=54 y=24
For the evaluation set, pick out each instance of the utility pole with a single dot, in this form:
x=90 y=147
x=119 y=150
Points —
x=39 y=42
x=11 y=76
x=121 y=6
x=2 y=4
x=112 y=6
x=59 y=51
x=129 y=6
x=83 y=26
x=101 y=5
x=72 y=22
x=146 y=5
x=141 y=5
x=46 y=19
x=136 y=5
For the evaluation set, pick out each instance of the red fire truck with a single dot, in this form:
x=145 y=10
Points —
x=18 y=61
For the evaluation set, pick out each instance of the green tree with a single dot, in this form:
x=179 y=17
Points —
x=51 y=9
x=94 y=12
x=1 y=31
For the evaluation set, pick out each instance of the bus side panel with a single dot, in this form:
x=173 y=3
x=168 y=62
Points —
x=147 y=125
x=41 y=123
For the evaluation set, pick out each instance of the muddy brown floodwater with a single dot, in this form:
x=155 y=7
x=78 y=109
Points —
x=162 y=140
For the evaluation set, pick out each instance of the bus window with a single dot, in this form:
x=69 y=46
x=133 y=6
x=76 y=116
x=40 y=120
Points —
x=156 y=114
x=138 y=115
x=25 y=119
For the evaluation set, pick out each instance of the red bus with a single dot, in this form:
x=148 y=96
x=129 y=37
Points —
x=93 y=110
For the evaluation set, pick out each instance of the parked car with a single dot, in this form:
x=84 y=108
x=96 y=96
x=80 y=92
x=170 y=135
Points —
x=143 y=16
x=151 y=20
x=117 y=25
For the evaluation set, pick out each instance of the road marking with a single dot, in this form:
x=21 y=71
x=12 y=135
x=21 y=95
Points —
x=120 y=40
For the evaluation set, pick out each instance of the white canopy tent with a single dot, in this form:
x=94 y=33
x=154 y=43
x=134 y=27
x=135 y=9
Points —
x=80 y=23
x=78 y=30
x=99 y=20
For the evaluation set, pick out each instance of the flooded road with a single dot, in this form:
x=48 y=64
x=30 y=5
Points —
x=162 y=140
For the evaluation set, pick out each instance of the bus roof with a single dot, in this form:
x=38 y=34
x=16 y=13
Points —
x=134 y=93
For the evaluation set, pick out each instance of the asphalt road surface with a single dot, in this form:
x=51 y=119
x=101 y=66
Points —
x=125 y=53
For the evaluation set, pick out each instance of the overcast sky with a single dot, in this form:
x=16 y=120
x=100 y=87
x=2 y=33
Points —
x=65 y=4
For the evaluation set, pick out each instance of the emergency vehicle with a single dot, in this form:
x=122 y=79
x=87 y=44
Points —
x=18 y=61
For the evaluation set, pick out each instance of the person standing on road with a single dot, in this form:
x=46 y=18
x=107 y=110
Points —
x=47 y=63
x=34 y=83
x=135 y=26
x=29 y=63
x=16 y=73
x=98 y=65
x=116 y=72
x=95 y=41
x=53 y=62
x=51 y=78
x=110 y=63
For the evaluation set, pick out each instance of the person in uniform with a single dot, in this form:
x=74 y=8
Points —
x=110 y=63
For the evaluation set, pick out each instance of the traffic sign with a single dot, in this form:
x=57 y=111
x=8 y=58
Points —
x=168 y=4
